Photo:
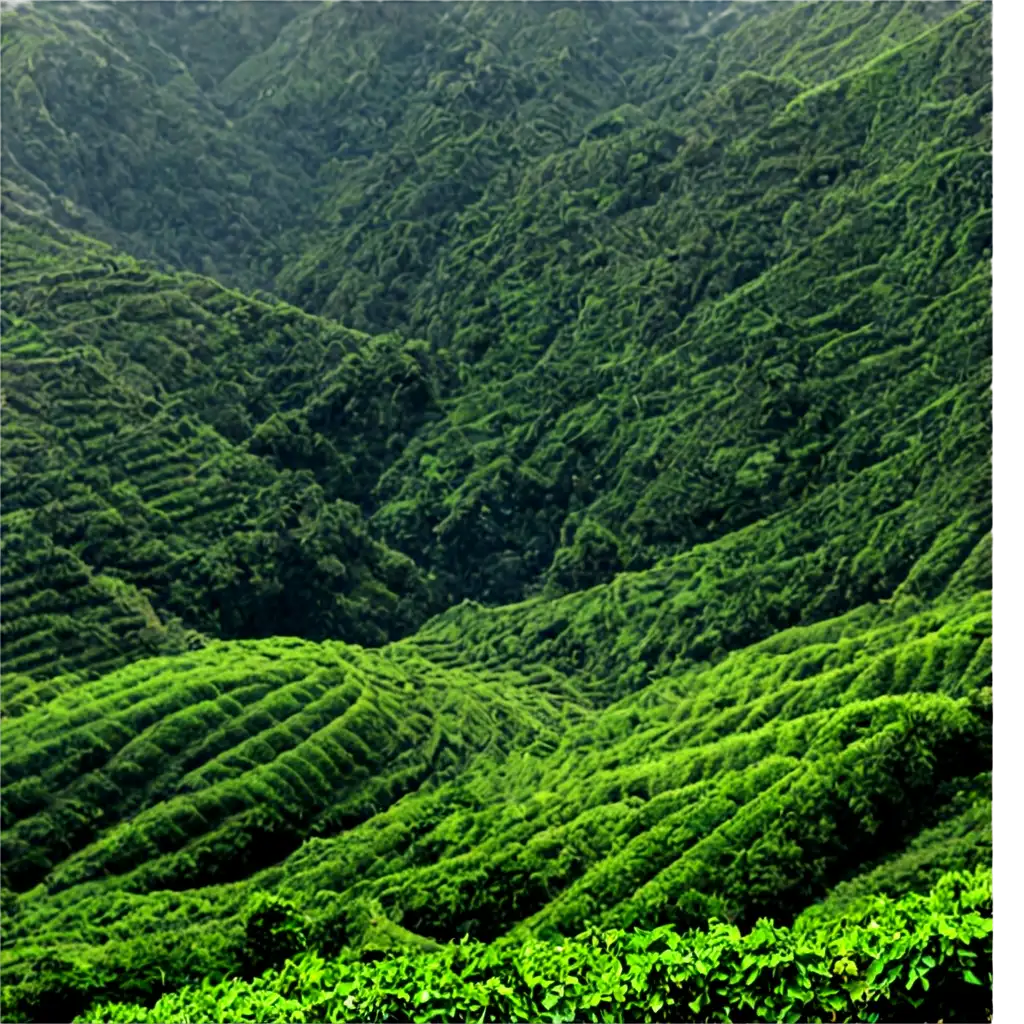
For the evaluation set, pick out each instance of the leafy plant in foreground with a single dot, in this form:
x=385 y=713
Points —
x=920 y=957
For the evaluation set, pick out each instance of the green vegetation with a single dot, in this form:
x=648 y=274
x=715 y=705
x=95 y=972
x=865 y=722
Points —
x=497 y=512
x=864 y=965
x=155 y=455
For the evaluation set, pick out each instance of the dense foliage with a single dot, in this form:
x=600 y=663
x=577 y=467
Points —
x=578 y=524
x=863 y=966
x=156 y=454
x=448 y=798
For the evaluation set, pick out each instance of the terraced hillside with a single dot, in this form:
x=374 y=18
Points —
x=496 y=508
x=447 y=800
x=142 y=507
x=676 y=333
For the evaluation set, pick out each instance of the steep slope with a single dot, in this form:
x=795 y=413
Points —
x=509 y=89
x=115 y=132
x=677 y=333
x=141 y=503
x=254 y=369
x=195 y=134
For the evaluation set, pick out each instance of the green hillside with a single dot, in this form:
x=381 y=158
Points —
x=496 y=512
x=112 y=130
x=141 y=504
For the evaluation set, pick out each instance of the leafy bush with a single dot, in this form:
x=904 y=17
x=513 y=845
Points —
x=921 y=957
x=275 y=930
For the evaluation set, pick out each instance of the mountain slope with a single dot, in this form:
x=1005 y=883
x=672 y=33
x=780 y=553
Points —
x=673 y=338
x=139 y=499
x=476 y=475
x=750 y=788
x=669 y=323
x=116 y=134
